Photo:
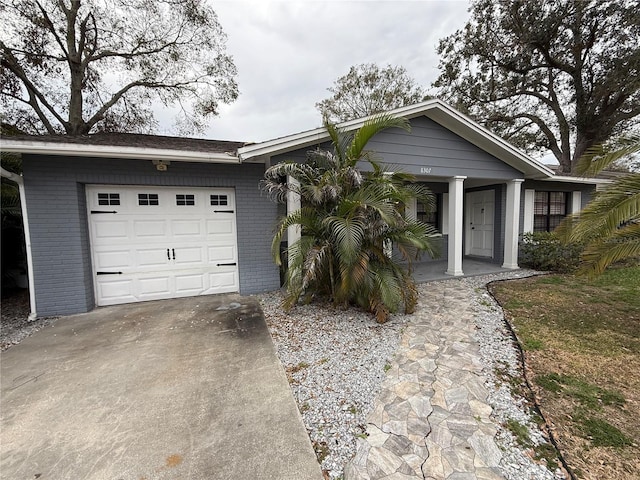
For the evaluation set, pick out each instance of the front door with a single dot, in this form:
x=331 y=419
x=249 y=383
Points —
x=479 y=225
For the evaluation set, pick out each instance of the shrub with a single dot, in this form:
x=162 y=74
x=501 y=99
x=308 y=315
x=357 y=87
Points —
x=544 y=251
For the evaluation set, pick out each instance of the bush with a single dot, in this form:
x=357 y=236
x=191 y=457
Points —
x=544 y=251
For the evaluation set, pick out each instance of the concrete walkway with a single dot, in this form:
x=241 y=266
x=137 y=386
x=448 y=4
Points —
x=431 y=419
x=175 y=389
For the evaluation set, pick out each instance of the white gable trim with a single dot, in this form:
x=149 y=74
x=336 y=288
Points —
x=589 y=181
x=437 y=111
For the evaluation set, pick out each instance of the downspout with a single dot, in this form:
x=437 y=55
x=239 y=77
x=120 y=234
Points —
x=14 y=177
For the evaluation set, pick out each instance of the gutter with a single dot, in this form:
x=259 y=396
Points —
x=116 y=151
x=27 y=238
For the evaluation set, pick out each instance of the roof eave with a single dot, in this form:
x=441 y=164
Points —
x=436 y=110
x=116 y=151
x=584 y=180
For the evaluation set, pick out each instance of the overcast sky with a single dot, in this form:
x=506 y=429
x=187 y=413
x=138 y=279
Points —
x=289 y=52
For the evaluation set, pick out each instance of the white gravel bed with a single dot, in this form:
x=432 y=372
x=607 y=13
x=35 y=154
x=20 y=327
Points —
x=498 y=353
x=15 y=325
x=335 y=360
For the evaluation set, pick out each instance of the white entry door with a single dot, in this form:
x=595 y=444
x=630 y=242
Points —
x=479 y=227
x=150 y=243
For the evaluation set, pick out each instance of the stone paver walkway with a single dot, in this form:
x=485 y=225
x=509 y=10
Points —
x=431 y=419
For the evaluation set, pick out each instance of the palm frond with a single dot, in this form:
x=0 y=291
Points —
x=599 y=157
x=305 y=218
x=616 y=204
x=623 y=244
x=370 y=128
x=348 y=234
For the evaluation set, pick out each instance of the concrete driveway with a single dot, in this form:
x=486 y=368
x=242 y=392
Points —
x=176 y=389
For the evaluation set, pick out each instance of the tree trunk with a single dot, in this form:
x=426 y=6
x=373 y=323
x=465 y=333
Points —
x=76 y=124
x=582 y=144
x=565 y=162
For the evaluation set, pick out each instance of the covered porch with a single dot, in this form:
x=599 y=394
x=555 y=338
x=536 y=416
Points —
x=424 y=272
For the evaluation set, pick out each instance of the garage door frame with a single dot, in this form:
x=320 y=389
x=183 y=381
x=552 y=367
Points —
x=172 y=215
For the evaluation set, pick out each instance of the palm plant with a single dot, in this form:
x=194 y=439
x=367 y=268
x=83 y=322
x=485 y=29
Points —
x=348 y=219
x=610 y=224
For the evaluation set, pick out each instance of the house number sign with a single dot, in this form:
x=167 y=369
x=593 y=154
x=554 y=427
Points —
x=426 y=170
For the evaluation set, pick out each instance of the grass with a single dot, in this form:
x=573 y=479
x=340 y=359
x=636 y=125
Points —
x=582 y=348
x=589 y=395
x=544 y=451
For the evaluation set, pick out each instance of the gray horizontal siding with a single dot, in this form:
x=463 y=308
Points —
x=58 y=220
x=428 y=145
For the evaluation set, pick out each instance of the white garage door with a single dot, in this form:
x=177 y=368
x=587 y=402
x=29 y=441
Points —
x=150 y=243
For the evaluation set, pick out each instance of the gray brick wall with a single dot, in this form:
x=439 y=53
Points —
x=56 y=201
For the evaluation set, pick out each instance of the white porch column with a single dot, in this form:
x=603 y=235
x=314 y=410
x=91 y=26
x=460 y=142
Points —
x=411 y=209
x=512 y=224
x=529 y=205
x=293 y=204
x=456 y=211
x=576 y=202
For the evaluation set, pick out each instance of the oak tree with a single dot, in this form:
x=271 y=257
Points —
x=368 y=89
x=561 y=75
x=81 y=66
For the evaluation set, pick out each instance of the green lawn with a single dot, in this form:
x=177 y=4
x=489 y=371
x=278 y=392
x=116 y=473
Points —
x=582 y=348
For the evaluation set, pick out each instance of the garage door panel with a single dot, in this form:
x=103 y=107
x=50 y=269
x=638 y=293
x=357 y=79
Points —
x=193 y=284
x=222 y=254
x=150 y=228
x=154 y=285
x=112 y=229
x=113 y=259
x=220 y=282
x=221 y=226
x=182 y=228
x=166 y=241
x=116 y=291
x=189 y=256
x=152 y=257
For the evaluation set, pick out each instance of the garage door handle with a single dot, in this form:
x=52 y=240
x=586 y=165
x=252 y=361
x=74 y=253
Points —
x=226 y=264
x=223 y=211
x=108 y=273
x=102 y=211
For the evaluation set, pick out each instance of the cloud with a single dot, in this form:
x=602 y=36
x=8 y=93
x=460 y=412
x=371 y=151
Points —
x=288 y=53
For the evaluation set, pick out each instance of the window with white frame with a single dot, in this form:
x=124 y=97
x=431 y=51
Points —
x=548 y=210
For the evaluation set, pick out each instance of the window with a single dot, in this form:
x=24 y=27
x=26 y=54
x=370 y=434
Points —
x=108 y=199
x=430 y=216
x=549 y=209
x=148 y=199
x=219 y=200
x=182 y=199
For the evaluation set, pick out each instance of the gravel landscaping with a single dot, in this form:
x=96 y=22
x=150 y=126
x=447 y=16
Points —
x=335 y=361
x=16 y=325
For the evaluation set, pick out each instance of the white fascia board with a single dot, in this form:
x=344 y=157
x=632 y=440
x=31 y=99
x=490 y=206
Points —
x=317 y=135
x=115 y=151
x=485 y=139
x=584 y=180
x=436 y=110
